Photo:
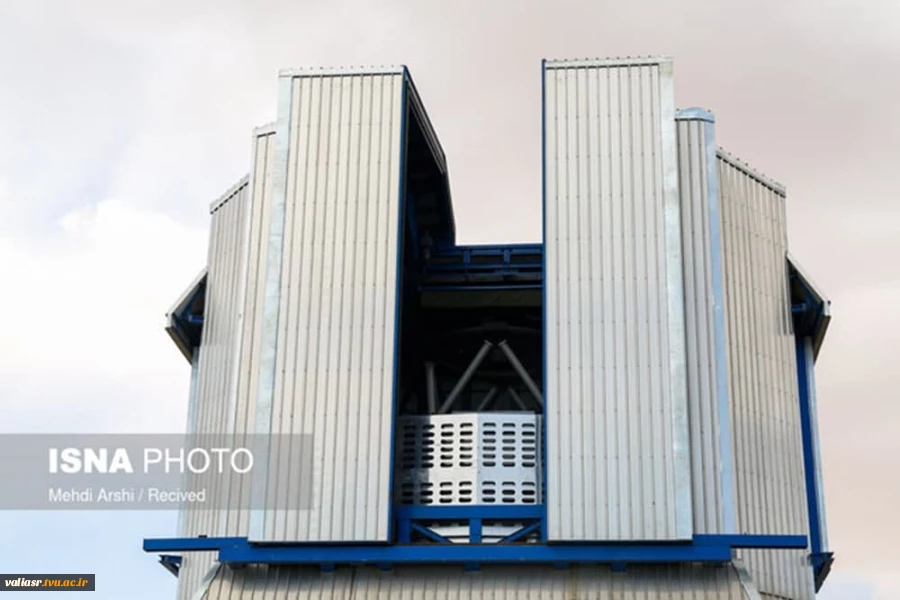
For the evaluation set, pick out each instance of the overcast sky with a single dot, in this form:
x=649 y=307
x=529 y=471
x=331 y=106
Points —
x=121 y=121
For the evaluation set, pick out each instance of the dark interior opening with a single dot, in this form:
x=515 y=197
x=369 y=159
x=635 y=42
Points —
x=454 y=300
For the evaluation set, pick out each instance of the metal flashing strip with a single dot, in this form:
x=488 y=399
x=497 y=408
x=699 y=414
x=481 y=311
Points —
x=272 y=303
x=207 y=580
x=229 y=194
x=696 y=114
x=267 y=129
x=702 y=548
x=726 y=456
x=745 y=168
x=750 y=590
x=684 y=516
x=340 y=71
x=605 y=62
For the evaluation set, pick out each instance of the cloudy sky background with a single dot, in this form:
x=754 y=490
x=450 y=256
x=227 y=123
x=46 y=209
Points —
x=121 y=121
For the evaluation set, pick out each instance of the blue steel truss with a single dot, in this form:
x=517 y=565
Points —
x=418 y=518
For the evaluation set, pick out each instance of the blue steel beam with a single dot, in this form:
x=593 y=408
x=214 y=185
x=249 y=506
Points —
x=703 y=548
x=480 y=287
x=461 y=513
x=466 y=554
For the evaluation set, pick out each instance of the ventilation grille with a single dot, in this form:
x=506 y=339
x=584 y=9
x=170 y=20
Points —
x=477 y=458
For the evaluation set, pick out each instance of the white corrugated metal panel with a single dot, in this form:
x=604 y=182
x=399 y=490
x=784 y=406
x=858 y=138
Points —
x=242 y=415
x=771 y=497
x=328 y=330
x=213 y=405
x=193 y=564
x=494 y=583
x=618 y=463
x=712 y=465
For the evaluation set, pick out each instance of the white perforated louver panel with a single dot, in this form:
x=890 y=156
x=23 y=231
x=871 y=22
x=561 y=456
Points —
x=477 y=458
x=618 y=464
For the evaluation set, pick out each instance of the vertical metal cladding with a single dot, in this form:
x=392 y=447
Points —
x=213 y=403
x=707 y=376
x=769 y=476
x=618 y=463
x=328 y=327
x=242 y=417
x=688 y=582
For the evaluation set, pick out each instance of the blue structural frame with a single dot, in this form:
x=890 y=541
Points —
x=810 y=322
x=413 y=538
x=488 y=267
x=710 y=549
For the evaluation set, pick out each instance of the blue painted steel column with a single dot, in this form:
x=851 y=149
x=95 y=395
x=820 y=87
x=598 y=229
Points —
x=810 y=460
x=547 y=397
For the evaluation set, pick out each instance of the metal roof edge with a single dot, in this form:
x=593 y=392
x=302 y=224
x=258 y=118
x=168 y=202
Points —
x=339 y=71
x=745 y=168
x=229 y=194
x=430 y=134
x=695 y=114
x=807 y=280
x=267 y=129
x=626 y=61
x=418 y=107
x=820 y=297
